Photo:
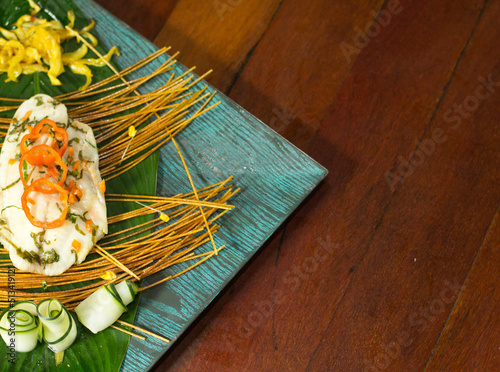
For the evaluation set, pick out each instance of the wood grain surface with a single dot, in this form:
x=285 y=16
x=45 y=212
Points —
x=393 y=262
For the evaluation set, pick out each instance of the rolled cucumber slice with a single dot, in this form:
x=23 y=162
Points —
x=66 y=340
x=101 y=309
x=19 y=327
x=59 y=327
x=29 y=306
x=127 y=291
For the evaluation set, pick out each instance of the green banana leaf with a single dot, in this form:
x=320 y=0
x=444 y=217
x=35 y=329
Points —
x=104 y=351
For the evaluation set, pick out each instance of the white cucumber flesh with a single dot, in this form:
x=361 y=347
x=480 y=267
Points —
x=59 y=327
x=19 y=327
x=127 y=291
x=101 y=309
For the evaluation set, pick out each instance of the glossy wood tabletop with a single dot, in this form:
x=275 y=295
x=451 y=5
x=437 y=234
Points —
x=393 y=261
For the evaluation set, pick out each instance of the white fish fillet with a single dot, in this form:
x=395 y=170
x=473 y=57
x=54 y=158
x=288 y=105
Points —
x=49 y=251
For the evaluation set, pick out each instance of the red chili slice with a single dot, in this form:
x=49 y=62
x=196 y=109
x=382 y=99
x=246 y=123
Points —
x=59 y=133
x=37 y=186
x=43 y=155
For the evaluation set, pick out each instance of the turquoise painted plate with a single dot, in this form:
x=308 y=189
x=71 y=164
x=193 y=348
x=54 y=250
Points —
x=275 y=177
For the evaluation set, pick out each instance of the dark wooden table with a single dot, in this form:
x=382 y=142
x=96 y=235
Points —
x=393 y=262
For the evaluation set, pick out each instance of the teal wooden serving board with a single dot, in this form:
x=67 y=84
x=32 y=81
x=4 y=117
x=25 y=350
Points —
x=274 y=177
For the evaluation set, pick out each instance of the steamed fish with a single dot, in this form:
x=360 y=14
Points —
x=52 y=207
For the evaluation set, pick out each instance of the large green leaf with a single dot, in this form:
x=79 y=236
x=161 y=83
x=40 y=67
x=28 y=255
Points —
x=106 y=350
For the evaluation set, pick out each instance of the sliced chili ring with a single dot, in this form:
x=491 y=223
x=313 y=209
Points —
x=28 y=137
x=57 y=130
x=43 y=155
x=37 y=186
x=38 y=130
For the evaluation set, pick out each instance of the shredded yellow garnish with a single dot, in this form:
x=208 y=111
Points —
x=34 y=45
